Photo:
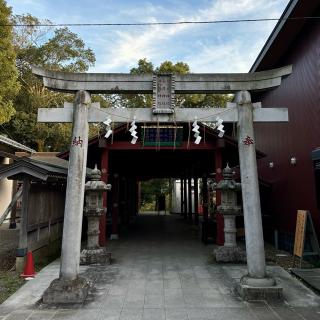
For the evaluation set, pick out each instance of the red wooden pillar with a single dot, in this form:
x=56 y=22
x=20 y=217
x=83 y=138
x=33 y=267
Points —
x=138 y=193
x=115 y=207
x=125 y=201
x=196 y=201
x=219 y=217
x=104 y=178
x=182 y=194
x=190 y=199
x=185 y=198
x=205 y=198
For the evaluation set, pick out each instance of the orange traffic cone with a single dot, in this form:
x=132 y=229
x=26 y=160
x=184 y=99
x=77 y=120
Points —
x=28 y=271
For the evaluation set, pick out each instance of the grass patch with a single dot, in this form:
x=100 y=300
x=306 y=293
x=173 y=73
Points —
x=10 y=282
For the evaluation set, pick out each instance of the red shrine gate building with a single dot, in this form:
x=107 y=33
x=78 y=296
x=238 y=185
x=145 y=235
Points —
x=161 y=152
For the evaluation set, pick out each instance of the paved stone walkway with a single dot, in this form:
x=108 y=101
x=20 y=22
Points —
x=310 y=276
x=162 y=271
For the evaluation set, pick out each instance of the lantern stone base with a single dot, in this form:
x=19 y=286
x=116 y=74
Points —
x=229 y=254
x=98 y=255
x=63 y=291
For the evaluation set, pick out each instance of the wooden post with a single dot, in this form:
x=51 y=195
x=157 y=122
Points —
x=190 y=199
x=104 y=178
x=115 y=207
x=13 y=216
x=23 y=232
x=185 y=213
x=125 y=198
x=196 y=201
x=205 y=198
x=137 y=195
x=219 y=216
x=182 y=195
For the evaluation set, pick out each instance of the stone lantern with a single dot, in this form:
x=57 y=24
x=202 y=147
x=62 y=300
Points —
x=229 y=252
x=93 y=210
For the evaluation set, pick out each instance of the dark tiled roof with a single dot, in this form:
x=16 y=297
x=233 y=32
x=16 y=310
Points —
x=14 y=144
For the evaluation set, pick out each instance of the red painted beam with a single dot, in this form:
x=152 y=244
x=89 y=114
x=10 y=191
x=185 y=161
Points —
x=126 y=145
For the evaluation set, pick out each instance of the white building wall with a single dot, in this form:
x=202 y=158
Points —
x=5 y=189
x=176 y=196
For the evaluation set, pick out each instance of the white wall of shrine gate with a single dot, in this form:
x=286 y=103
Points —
x=176 y=197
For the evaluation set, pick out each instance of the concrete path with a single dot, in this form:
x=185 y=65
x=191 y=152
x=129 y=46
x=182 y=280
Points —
x=309 y=276
x=162 y=271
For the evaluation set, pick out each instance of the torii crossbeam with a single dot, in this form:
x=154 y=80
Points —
x=163 y=87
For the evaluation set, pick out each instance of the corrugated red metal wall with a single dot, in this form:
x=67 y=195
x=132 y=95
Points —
x=293 y=186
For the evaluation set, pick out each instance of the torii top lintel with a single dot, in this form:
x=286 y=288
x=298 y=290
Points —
x=186 y=83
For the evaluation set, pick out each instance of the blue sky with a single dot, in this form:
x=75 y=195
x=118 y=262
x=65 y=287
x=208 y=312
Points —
x=206 y=48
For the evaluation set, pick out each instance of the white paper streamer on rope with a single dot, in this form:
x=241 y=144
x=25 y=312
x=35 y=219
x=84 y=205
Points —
x=109 y=131
x=220 y=127
x=133 y=132
x=196 y=131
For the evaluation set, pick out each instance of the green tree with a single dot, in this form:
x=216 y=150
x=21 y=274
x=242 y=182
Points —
x=182 y=100
x=150 y=189
x=58 y=49
x=9 y=86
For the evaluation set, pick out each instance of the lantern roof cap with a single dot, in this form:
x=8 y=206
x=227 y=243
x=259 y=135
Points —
x=228 y=183
x=95 y=183
x=95 y=174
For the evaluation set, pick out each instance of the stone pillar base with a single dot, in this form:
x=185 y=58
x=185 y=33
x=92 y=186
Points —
x=91 y=256
x=259 y=289
x=229 y=254
x=114 y=236
x=63 y=291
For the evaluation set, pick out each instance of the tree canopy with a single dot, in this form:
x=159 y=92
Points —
x=21 y=93
x=58 y=49
x=183 y=101
x=10 y=86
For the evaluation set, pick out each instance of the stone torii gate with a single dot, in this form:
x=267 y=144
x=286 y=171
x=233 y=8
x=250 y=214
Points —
x=256 y=284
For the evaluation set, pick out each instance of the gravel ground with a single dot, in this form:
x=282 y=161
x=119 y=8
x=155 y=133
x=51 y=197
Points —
x=283 y=258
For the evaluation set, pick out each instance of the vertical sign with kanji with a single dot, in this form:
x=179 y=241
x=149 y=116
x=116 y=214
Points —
x=163 y=93
x=300 y=233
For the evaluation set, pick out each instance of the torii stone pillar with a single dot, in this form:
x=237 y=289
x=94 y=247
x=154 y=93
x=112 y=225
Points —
x=256 y=284
x=69 y=287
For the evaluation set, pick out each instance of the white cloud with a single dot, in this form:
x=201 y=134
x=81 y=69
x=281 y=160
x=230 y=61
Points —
x=233 y=51
x=234 y=56
x=206 y=48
